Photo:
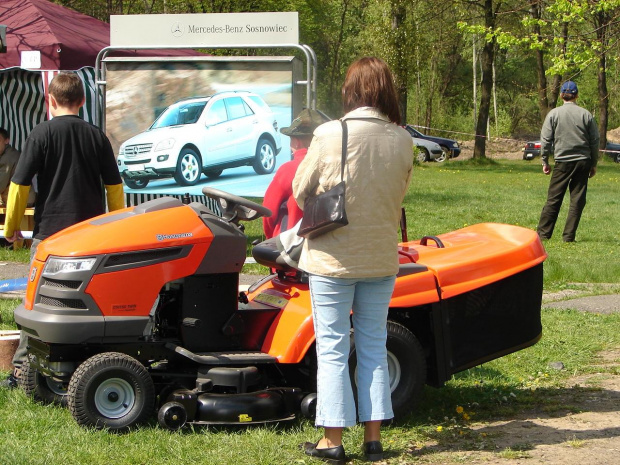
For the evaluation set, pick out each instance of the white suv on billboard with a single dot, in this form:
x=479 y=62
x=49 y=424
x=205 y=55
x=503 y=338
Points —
x=203 y=135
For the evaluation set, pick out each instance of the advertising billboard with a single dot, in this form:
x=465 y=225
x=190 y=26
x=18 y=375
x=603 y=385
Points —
x=205 y=29
x=179 y=124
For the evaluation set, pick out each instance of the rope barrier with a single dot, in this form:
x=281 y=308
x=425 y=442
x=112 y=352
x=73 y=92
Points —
x=465 y=133
x=489 y=137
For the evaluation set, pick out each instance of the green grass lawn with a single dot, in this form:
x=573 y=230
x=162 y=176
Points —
x=8 y=255
x=442 y=197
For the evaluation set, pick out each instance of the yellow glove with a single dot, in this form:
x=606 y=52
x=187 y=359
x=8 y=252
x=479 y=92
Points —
x=15 y=208
x=115 y=197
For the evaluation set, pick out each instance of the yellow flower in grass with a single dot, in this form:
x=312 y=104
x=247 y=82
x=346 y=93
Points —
x=439 y=429
x=459 y=409
x=465 y=417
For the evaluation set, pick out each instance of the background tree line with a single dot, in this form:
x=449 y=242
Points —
x=489 y=67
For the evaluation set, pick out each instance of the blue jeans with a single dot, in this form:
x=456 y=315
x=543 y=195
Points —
x=332 y=301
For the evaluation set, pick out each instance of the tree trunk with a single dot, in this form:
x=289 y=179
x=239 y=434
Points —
x=400 y=69
x=474 y=63
x=428 y=117
x=543 y=102
x=486 y=88
x=603 y=97
x=601 y=22
x=335 y=65
x=557 y=79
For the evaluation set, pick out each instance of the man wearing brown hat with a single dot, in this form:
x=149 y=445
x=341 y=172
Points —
x=279 y=195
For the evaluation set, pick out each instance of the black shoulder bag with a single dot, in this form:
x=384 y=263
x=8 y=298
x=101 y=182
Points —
x=325 y=212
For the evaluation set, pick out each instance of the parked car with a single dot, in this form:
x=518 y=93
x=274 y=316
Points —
x=428 y=150
x=532 y=150
x=613 y=151
x=450 y=147
x=203 y=135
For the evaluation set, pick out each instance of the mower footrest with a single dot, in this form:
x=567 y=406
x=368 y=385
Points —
x=223 y=358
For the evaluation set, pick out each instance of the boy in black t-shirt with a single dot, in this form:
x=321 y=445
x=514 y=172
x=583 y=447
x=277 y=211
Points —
x=73 y=161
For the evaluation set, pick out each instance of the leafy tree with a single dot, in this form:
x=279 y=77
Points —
x=585 y=31
x=547 y=96
x=485 y=23
x=527 y=50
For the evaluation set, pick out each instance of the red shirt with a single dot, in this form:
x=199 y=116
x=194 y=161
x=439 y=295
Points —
x=279 y=198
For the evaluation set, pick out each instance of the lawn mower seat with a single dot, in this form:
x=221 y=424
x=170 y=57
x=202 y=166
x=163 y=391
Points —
x=268 y=254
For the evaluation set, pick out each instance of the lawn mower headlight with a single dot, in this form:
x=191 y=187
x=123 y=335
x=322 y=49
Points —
x=68 y=265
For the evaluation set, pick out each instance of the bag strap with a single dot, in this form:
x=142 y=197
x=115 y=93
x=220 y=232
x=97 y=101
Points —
x=345 y=138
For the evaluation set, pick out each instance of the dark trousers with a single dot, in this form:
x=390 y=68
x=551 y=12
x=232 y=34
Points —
x=573 y=176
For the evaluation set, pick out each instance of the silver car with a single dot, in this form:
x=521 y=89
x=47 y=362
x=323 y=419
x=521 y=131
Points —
x=428 y=150
x=203 y=135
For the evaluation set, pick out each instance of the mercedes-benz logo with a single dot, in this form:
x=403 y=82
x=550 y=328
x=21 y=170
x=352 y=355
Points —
x=177 y=30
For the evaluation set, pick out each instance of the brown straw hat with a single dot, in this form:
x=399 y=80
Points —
x=305 y=123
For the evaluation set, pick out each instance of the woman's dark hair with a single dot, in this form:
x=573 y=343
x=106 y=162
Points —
x=369 y=83
x=67 y=89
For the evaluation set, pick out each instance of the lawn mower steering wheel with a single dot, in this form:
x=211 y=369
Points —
x=235 y=208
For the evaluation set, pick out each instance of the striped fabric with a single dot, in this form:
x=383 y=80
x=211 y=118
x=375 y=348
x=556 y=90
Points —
x=22 y=103
x=23 y=100
x=133 y=199
x=87 y=112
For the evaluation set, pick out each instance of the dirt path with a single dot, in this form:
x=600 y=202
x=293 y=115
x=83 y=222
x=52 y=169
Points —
x=581 y=427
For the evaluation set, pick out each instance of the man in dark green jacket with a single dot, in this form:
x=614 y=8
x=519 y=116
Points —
x=570 y=134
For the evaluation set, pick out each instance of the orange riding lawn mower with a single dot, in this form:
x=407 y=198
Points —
x=138 y=312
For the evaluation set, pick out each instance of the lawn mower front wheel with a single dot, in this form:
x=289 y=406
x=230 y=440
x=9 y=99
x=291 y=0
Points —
x=42 y=388
x=111 y=390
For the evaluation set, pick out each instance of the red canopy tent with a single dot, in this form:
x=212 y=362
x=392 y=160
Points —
x=66 y=39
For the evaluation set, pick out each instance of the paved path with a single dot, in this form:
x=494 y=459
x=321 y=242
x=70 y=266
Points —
x=596 y=303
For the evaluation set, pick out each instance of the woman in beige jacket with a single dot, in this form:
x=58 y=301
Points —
x=354 y=267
